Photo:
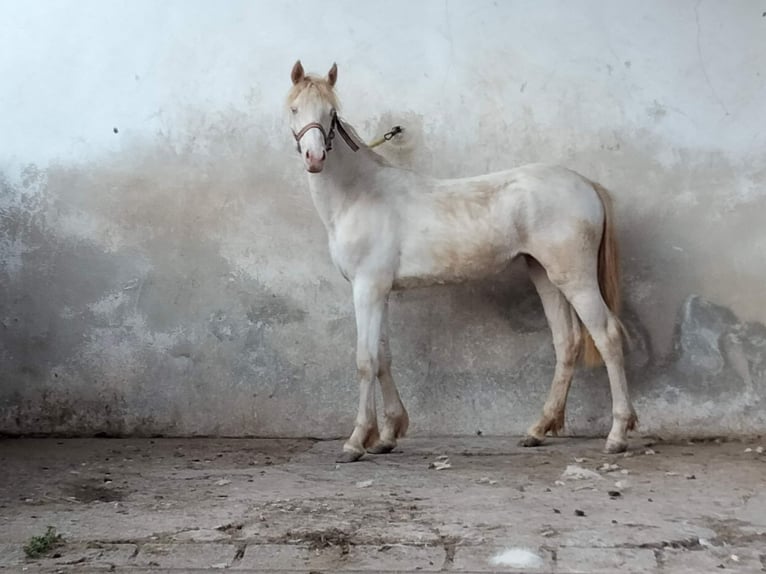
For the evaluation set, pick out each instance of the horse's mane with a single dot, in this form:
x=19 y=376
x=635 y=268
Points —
x=315 y=84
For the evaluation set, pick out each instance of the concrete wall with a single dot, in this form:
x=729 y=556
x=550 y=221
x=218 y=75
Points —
x=163 y=270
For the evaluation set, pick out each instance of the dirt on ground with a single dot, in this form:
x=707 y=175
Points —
x=473 y=504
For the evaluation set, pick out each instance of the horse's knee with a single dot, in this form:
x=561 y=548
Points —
x=366 y=367
x=384 y=359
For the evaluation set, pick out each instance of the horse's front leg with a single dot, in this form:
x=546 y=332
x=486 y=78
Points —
x=369 y=303
x=395 y=419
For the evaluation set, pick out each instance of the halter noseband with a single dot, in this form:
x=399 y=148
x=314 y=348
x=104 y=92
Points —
x=327 y=137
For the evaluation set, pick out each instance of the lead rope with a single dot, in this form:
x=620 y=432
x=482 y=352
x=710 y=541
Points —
x=386 y=137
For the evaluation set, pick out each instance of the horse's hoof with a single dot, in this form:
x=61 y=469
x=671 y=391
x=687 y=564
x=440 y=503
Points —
x=615 y=446
x=349 y=456
x=530 y=440
x=382 y=448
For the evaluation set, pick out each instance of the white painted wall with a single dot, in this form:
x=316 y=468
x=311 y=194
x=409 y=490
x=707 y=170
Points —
x=689 y=72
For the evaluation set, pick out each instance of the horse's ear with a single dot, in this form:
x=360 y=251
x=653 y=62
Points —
x=297 y=74
x=332 y=75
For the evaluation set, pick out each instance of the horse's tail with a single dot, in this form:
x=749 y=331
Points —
x=608 y=274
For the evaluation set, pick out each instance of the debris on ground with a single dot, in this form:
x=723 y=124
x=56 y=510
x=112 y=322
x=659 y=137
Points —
x=41 y=545
x=576 y=472
x=223 y=482
x=441 y=463
x=517 y=558
x=547 y=531
x=649 y=451
x=614 y=493
x=579 y=512
x=759 y=449
x=364 y=484
x=606 y=467
x=486 y=480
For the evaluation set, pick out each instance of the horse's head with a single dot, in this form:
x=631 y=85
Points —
x=312 y=108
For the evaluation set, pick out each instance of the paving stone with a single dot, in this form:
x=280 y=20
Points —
x=361 y=558
x=11 y=554
x=202 y=535
x=99 y=556
x=604 y=560
x=394 y=557
x=616 y=535
x=717 y=559
x=81 y=555
x=202 y=555
x=690 y=561
x=287 y=557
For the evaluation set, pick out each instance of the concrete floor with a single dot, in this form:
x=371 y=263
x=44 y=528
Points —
x=244 y=505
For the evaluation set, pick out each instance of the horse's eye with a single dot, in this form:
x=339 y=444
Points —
x=294 y=110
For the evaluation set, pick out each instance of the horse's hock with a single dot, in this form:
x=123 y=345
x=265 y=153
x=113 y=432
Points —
x=163 y=270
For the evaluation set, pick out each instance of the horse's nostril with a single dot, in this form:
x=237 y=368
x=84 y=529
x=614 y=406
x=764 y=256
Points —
x=324 y=155
x=307 y=154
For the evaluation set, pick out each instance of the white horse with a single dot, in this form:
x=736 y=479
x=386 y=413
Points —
x=391 y=228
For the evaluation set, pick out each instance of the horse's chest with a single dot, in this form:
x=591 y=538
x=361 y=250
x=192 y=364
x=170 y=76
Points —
x=348 y=252
x=341 y=259
x=354 y=246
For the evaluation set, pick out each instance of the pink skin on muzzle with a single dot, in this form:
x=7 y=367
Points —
x=314 y=164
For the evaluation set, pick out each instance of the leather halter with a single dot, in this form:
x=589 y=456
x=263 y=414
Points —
x=327 y=137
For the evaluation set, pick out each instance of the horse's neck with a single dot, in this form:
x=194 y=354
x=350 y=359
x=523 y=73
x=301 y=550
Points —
x=346 y=175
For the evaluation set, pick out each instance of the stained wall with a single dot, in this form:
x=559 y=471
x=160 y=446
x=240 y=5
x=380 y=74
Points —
x=162 y=270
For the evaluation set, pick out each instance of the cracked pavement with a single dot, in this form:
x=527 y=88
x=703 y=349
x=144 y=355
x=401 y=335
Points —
x=262 y=505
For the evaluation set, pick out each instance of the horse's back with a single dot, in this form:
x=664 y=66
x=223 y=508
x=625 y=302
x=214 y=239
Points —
x=471 y=227
x=537 y=196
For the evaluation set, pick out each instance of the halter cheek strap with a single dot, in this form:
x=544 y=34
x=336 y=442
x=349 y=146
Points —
x=327 y=137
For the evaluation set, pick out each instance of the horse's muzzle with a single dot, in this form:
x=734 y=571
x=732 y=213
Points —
x=314 y=164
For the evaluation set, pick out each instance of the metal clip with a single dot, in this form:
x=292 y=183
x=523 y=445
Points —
x=394 y=131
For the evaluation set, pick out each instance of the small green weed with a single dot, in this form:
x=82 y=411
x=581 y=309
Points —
x=41 y=545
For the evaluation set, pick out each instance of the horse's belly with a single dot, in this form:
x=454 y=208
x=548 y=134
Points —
x=452 y=259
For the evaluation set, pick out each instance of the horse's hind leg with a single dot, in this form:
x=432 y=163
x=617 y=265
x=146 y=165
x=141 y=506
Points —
x=395 y=419
x=584 y=294
x=565 y=329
